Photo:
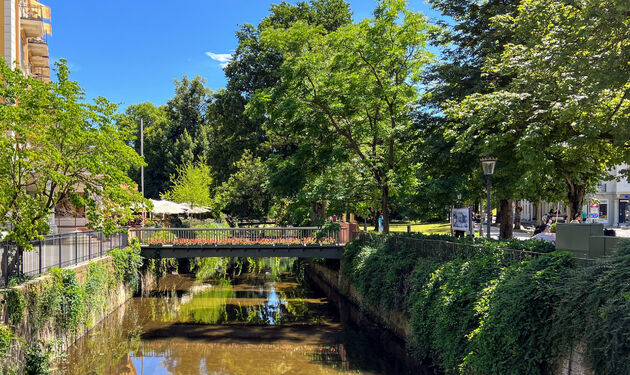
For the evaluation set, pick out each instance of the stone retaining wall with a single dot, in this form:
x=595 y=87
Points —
x=30 y=332
x=574 y=363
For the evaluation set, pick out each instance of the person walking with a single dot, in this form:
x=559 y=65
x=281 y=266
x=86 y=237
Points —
x=380 y=224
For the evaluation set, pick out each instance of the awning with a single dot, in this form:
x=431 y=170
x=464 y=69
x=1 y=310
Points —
x=165 y=207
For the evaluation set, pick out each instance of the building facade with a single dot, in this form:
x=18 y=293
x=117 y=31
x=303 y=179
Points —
x=611 y=202
x=25 y=29
x=609 y=205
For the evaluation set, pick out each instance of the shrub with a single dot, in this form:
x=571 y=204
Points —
x=15 y=305
x=515 y=310
x=6 y=338
x=127 y=263
x=443 y=311
x=37 y=359
x=68 y=299
x=479 y=310
x=595 y=310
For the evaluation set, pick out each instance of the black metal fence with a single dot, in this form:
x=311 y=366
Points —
x=60 y=250
x=447 y=250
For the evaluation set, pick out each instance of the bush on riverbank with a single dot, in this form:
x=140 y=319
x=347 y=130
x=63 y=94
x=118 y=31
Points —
x=60 y=304
x=595 y=310
x=487 y=314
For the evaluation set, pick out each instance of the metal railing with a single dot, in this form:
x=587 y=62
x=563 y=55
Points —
x=235 y=236
x=61 y=250
x=43 y=74
x=33 y=12
x=447 y=250
x=40 y=40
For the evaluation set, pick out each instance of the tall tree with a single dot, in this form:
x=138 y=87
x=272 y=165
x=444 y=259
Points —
x=54 y=146
x=256 y=66
x=358 y=82
x=466 y=40
x=566 y=108
x=175 y=133
x=244 y=195
x=191 y=185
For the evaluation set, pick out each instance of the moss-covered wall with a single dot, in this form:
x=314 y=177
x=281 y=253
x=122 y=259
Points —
x=43 y=317
x=488 y=314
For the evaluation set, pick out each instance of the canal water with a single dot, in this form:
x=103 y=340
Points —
x=255 y=323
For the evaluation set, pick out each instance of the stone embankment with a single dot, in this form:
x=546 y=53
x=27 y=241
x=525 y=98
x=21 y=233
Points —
x=574 y=363
x=55 y=310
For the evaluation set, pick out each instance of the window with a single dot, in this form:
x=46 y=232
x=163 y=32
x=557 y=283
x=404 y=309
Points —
x=603 y=210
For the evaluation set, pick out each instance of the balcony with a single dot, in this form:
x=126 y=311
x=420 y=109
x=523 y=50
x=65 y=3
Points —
x=38 y=46
x=32 y=16
x=40 y=73
x=40 y=62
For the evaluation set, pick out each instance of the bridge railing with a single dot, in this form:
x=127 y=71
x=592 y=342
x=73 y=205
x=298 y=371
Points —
x=237 y=236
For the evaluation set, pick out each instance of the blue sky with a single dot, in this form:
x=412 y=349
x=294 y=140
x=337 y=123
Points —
x=131 y=51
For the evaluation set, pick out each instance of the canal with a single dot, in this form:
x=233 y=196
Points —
x=268 y=322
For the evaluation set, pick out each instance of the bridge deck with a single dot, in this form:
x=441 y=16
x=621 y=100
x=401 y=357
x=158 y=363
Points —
x=291 y=251
x=309 y=242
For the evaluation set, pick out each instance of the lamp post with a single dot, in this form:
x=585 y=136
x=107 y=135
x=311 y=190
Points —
x=488 y=163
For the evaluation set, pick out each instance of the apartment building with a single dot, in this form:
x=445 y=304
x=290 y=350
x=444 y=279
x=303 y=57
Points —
x=25 y=29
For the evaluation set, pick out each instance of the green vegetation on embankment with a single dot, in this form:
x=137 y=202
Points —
x=45 y=315
x=487 y=314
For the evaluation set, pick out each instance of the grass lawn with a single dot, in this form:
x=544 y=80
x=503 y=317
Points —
x=434 y=228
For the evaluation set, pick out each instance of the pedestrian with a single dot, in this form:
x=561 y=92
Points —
x=334 y=218
x=380 y=224
x=577 y=219
x=546 y=235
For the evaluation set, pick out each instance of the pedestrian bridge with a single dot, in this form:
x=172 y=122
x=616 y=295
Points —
x=294 y=242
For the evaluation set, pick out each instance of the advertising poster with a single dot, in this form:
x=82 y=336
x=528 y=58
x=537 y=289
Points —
x=461 y=220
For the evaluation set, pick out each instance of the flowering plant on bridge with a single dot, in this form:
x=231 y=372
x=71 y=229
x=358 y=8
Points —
x=235 y=241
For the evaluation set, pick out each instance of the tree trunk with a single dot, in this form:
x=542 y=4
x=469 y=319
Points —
x=318 y=212
x=385 y=207
x=517 y=215
x=576 y=195
x=497 y=219
x=505 y=217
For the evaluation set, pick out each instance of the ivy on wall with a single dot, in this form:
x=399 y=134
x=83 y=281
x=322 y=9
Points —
x=64 y=304
x=480 y=314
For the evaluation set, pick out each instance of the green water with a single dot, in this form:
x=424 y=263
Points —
x=255 y=324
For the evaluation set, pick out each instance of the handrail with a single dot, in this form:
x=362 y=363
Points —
x=449 y=250
x=235 y=236
x=34 y=12
x=221 y=229
x=58 y=250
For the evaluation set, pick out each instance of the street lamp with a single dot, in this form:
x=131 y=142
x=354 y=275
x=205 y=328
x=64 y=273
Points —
x=488 y=163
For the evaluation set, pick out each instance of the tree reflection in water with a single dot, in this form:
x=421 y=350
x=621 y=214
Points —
x=264 y=322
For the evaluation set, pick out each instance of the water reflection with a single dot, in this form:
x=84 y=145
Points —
x=267 y=324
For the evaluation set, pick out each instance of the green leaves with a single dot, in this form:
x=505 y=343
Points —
x=54 y=146
x=356 y=83
x=561 y=111
x=191 y=185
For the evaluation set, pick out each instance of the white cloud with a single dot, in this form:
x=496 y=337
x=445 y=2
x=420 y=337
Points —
x=222 y=58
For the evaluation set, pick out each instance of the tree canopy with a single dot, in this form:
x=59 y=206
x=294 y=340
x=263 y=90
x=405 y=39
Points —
x=357 y=82
x=54 y=146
